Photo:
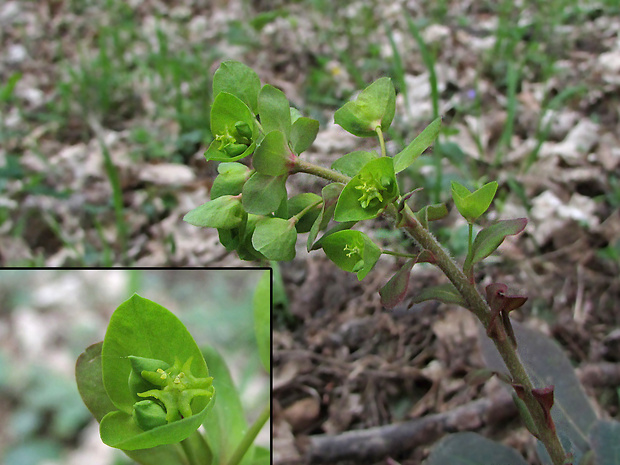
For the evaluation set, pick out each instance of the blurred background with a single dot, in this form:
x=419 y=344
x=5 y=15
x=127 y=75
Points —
x=48 y=317
x=104 y=111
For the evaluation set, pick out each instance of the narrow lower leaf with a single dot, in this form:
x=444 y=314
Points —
x=445 y=293
x=394 y=291
x=490 y=238
x=408 y=155
x=330 y=195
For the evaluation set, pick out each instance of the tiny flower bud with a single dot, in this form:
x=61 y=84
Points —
x=234 y=149
x=148 y=414
x=244 y=129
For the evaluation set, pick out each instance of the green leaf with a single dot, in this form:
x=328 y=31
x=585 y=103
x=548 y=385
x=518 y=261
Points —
x=605 y=440
x=393 y=292
x=367 y=193
x=224 y=212
x=275 y=238
x=546 y=364
x=472 y=449
x=240 y=80
x=298 y=203
x=303 y=133
x=431 y=213
x=273 y=156
x=230 y=180
x=145 y=329
x=90 y=384
x=352 y=251
x=263 y=194
x=228 y=115
x=226 y=425
x=240 y=239
x=472 y=205
x=274 y=111
x=88 y=375
x=445 y=293
x=373 y=108
x=262 y=319
x=490 y=238
x=351 y=163
x=408 y=155
x=330 y=195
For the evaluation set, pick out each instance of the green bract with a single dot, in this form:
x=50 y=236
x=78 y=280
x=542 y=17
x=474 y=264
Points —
x=144 y=340
x=351 y=163
x=263 y=194
x=473 y=204
x=274 y=111
x=275 y=238
x=224 y=212
x=273 y=155
x=368 y=192
x=374 y=108
x=303 y=133
x=231 y=124
x=352 y=251
x=298 y=203
x=239 y=80
x=230 y=180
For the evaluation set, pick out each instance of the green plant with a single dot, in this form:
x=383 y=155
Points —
x=151 y=387
x=254 y=216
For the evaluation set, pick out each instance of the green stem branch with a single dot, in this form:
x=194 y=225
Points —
x=398 y=254
x=302 y=166
x=381 y=141
x=474 y=300
x=478 y=305
x=249 y=437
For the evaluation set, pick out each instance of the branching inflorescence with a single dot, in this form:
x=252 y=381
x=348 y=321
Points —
x=255 y=217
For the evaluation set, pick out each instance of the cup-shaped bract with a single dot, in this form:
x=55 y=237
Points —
x=471 y=205
x=233 y=127
x=352 y=251
x=367 y=193
x=144 y=340
x=374 y=108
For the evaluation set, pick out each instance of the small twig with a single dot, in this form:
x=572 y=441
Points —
x=392 y=440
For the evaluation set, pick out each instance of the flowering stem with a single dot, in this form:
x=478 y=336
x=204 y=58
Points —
x=303 y=166
x=475 y=303
x=381 y=141
x=398 y=254
x=249 y=437
x=478 y=305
